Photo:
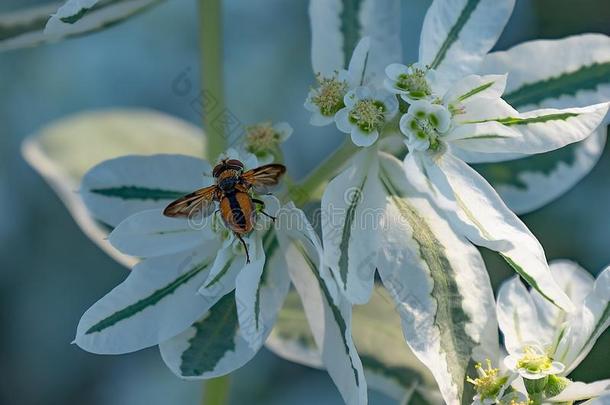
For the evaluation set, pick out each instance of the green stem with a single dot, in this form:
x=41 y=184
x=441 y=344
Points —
x=210 y=36
x=216 y=391
x=309 y=187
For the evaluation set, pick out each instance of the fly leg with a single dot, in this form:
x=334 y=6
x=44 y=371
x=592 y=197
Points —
x=262 y=204
x=245 y=247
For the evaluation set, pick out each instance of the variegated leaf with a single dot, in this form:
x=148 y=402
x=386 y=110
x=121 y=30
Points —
x=457 y=34
x=218 y=343
x=338 y=25
x=157 y=301
x=328 y=312
x=439 y=283
x=64 y=151
x=389 y=366
x=56 y=21
x=350 y=214
x=569 y=72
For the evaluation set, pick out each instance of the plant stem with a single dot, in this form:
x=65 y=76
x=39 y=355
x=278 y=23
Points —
x=216 y=391
x=210 y=37
x=308 y=188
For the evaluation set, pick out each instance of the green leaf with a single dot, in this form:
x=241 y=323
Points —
x=65 y=150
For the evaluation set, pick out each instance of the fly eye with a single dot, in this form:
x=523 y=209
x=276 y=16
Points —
x=218 y=169
x=235 y=164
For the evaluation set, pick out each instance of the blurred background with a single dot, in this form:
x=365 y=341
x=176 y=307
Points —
x=50 y=273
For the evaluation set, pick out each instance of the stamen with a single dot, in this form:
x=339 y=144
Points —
x=328 y=96
x=368 y=115
x=488 y=384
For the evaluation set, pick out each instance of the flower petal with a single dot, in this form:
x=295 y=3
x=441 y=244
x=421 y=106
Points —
x=445 y=298
x=328 y=313
x=350 y=207
x=456 y=35
x=363 y=139
x=476 y=211
x=157 y=301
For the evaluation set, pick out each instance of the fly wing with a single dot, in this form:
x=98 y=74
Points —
x=200 y=201
x=264 y=176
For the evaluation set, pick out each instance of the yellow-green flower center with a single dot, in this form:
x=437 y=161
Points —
x=534 y=361
x=328 y=96
x=261 y=137
x=489 y=383
x=414 y=83
x=368 y=115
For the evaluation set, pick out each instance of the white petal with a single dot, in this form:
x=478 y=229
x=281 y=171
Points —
x=457 y=35
x=320 y=120
x=342 y=120
x=396 y=69
x=517 y=317
x=476 y=210
x=284 y=130
x=117 y=188
x=150 y=233
x=157 y=301
x=351 y=205
x=363 y=139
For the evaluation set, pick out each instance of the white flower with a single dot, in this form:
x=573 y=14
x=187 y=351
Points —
x=413 y=82
x=490 y=384
x=365 y=114
x=424 y=124
x=325 y=100
x=542 y=340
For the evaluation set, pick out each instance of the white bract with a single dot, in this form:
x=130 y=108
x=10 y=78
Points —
x=372 y=217
x=545 y=343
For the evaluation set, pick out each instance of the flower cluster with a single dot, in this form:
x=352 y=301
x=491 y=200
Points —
x=402 y=212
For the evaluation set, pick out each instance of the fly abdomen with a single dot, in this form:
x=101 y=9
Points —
x=237 y=212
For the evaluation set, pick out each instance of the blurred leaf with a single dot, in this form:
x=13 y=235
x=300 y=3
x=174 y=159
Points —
x=64 y=151
x=570 y=72
x=37 y=25
x=390 y=367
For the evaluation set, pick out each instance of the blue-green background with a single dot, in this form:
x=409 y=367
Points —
x=50 y=273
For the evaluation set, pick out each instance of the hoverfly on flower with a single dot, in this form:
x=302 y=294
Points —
x=232 y=191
